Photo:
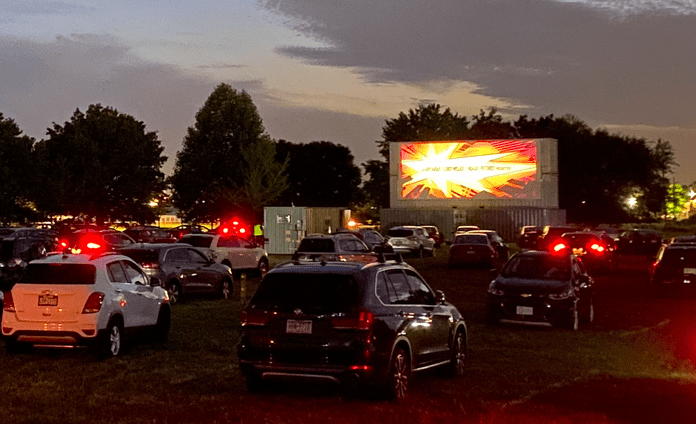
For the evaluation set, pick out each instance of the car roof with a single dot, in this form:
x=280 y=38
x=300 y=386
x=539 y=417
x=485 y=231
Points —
x=81 y=258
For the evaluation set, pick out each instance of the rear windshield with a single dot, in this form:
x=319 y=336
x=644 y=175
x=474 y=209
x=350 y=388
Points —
x=400 y=233
x=197 y=241
x=312 y=293
x=316 y=245
x=471 y=239
x=141 y=256
x=679 y=257
x=59 y=274
x=538 y=267
x=581 y=240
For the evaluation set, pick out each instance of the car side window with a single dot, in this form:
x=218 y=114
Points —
x=177 y=255
x=197 y=257
x=243 y=243
x=116 y=273
x=135 y=276
x=400 y=291
x=421 y=290
x=228 y=242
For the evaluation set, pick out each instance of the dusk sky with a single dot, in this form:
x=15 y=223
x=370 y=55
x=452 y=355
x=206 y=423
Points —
x=336 y=70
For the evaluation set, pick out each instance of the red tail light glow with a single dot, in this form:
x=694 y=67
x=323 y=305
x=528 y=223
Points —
x=559 y=247
x=253 y=317
x=94 y=303
x=363 y=321
x=597 y=248
x=153 y=265
x=8 y=305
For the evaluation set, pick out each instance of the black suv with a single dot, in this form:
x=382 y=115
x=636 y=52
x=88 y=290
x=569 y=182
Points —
x=674 y=267
x=352 y=323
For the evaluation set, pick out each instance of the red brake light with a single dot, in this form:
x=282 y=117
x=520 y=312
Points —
x=94 y=303
x=596 y=247
x=225 y=230
x=8 y=305
x=64 y=243
x=153 y=265
x=559 y=246
x=253 y=317
x=362 y=321
x=242 y=230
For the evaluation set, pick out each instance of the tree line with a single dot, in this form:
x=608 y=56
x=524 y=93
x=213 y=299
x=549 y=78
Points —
x=105 y=165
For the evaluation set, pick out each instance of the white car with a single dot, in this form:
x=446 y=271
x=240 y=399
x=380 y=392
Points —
x=411 y=239
x=231 y=250
x=66 y=300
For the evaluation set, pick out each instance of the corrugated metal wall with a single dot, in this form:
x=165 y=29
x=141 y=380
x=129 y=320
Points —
x=285 y=226
x=324 y=220
x=506 y=222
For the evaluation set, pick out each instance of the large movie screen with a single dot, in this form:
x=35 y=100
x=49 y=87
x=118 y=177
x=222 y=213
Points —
x=480 y=169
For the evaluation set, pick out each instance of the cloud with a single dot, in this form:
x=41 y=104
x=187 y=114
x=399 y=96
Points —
x=552 y=57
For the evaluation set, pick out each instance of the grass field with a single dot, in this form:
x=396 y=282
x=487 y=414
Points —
x=515 y=373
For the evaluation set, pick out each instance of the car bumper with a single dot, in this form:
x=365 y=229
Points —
x=536 y=309
x=51 y=334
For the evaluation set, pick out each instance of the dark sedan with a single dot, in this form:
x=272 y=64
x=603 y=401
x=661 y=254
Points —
x=182 y=269
x=597 y=254
x=471 y=249
x=542 y=287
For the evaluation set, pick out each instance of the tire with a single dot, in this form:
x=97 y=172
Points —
x=589 y=318
x=13 y=347
x=164 y=320
x=399 y=375
x=111 y=343
x=174 y=292
x=262 y=267
x=457 y=365
x=421 y=252
x=226 y=289
x=253 y=381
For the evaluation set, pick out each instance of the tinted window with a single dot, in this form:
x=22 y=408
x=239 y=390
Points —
x=116 y=273
x=228 y=242
x=679 y=257
x=581 y=240
x=316 y=245
x=312 y=293
x=177 y=255
x=141 y=256
x=197 y=257
x=400 y=233
x=542 y=267
x=135 y=276
x=420 y=289
x=398 y=288
x=59 y=274
x=197 y=241
x=471 y=239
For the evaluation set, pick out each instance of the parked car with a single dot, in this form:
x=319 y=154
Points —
x=528 y=236
x=551 y=235
x=639 y=242
x=412 y=240
x=181 y=230
x=182 y=270
x=596 y=254
x=502 y=250
x=674 y=268
x=369 y=236
x=236 y=252
x=687 y=240
x=435 y=234
x=334 y=247
x=471 y=249
x=349 y=322
x=95 y=241
x=149 y=234
x=76 y=300
x=542 y=287
x=19 y=246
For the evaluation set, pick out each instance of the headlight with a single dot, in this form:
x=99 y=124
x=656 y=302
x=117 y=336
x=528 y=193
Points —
x=567 y=294
x=495 y=291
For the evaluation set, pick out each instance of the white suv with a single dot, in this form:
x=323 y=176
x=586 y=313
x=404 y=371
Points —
x=411 y=239
x=231 y=250
x=76 y=300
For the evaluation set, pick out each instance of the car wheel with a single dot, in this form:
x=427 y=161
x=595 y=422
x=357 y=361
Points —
x=174 y=292
x=399 y=375
x=225 y=288
x=164 y=319
x=263 y=267
x=457 y=364
x=254 y=383
x=421 y=252
x=111 y=342
x=13 y=347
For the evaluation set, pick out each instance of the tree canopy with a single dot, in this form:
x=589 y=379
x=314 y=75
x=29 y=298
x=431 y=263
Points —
x=17 y=173
x=101 y=163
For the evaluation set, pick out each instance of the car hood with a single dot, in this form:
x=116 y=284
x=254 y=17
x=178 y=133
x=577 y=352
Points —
x=533 y=286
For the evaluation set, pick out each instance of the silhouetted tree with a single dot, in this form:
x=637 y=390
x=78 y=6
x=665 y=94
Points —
x=17 y=172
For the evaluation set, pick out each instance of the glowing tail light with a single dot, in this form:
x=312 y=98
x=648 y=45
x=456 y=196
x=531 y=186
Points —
x=558 y=247
x=8 y=305
x=93 y=245
x=152 y=265
x=362 y=321
x=94 y=303
x=255 y=318
x=597 y=248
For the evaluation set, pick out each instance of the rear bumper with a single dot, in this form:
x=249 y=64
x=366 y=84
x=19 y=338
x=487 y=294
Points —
x=543 y=310
x=82 y=332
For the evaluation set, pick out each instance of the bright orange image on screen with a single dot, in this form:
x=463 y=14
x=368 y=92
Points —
x=463 y=169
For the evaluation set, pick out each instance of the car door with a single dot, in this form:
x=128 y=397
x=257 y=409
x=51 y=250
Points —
x=180 y=261
x=247 y=254
x=204 y=275
x=436 y=320
x=128 y=298
x=147 y=299
x=583 y=284
x=228 y=248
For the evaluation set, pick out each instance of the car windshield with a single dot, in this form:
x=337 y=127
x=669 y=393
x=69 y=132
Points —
x=471 y=239
x=312 y=293
x=316 y=245
x=197 y=241
x=400 y=233
x=59 y=274
x=538 y=267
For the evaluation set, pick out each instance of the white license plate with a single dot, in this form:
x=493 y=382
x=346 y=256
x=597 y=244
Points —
x=48 y=300
x=689 y=270
x=525 y=310
x=294 y=326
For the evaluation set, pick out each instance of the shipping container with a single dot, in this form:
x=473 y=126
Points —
x=285 y=226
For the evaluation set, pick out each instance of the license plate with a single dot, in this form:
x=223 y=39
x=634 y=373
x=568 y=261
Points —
x=48 y=300
x=294 y=326
x=525 y=310
x=689 y=270
x=471 y=252
x=397 y=242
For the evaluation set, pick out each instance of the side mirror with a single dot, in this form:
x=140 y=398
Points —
x=440 y=296
x=154 y=282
